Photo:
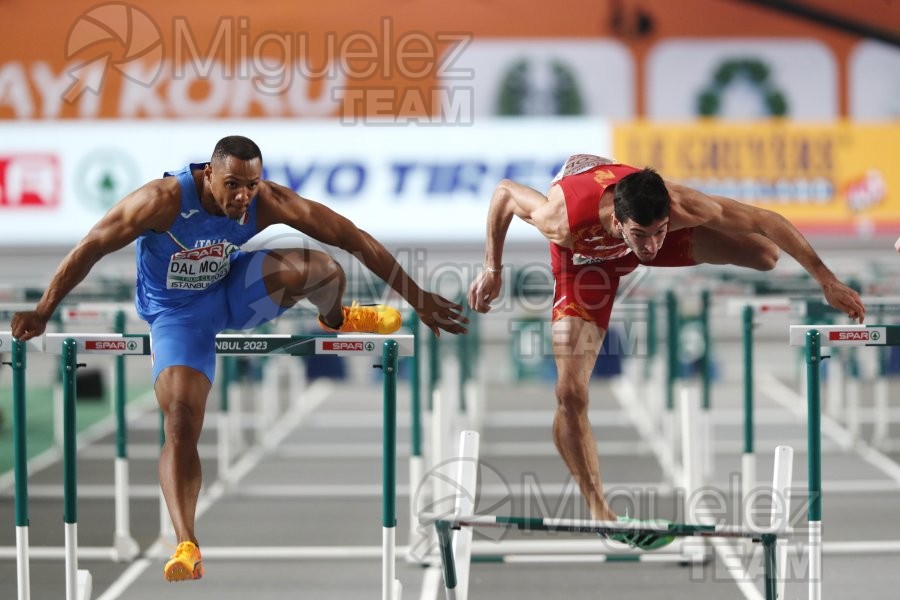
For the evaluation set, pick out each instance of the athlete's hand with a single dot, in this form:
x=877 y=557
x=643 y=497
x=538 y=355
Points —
x=484 y=290
x=897 y=245
x=437 y=313
x=28 y=324
x=845 y=300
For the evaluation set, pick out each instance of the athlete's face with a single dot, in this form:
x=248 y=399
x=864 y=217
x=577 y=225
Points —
x=644 y=240
x=234 y=183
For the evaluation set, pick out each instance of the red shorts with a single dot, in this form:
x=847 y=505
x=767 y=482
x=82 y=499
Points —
x=588 y=291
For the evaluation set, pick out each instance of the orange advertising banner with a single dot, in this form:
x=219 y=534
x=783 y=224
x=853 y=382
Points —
x=406 y=63
x=839 y=178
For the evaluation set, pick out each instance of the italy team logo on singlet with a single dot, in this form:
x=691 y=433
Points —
x=199 y=268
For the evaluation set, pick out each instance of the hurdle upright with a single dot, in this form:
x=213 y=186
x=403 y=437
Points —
x=814 y=338
x=388 y=348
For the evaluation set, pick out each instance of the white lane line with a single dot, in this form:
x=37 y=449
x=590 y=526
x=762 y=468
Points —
x=145 y=403
x=317 y=392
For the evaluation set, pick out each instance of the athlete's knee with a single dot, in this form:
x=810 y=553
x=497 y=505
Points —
x=507 y=188
x=572 y=399
x=182 y=423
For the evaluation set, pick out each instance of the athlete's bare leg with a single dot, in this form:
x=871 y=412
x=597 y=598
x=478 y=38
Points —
x=576 y=344
x=289 y=275
x=293 y=274
x=181 y=392
x=719 y=248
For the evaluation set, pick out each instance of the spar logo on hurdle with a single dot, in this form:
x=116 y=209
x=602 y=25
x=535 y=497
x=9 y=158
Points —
x=855 y=335
x=347 y=346
x=111 y=345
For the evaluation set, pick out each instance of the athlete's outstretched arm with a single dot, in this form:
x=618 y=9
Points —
x=279 y=204
x=725 y=214
x=510 y=199
x=152 y=206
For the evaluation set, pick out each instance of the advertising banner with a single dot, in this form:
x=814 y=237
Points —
x=741 y=80
x=546 y=77
x=399 y=183
x=874 y=82
x=839 y=178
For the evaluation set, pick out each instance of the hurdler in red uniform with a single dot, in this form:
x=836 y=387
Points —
x=602 y=220
x=587 y=275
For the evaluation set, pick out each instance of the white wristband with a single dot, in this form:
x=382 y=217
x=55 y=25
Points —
x=490 y=269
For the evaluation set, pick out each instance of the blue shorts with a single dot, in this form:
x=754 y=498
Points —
x=186 y=336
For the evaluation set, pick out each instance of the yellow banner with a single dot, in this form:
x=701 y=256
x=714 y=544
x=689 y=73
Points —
x=841 y=178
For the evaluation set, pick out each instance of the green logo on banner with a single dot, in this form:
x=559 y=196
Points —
x=875 y=336
x=370 y=346
x=105 y=176
x=132 y=346
x=539 y=90
x=751 y=70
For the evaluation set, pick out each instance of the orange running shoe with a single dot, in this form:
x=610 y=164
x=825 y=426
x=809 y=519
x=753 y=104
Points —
x=186 y=564
x=376 y=318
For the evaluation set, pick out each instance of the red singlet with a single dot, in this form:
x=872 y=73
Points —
x=587 y=275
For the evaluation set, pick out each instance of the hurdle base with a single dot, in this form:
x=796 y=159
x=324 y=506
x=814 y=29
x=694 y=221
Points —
x=125 y=548
x=85 y=585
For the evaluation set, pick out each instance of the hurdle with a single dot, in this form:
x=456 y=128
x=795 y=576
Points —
x=456 y=398
x=752 y=309
x=454 y=531
x=597 y=550
x=68 y=346
x=813 y=338
x=124 y=546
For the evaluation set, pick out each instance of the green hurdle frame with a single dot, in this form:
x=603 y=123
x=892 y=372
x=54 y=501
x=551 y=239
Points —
x=603 y=528
x=813 y=338
x=68 y=346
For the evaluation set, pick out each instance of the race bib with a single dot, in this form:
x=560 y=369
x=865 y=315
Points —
x=199 y=268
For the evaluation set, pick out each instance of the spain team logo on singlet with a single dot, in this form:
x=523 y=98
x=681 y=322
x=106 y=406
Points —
x=604 y=176
x=583 y=179
x=199 y=268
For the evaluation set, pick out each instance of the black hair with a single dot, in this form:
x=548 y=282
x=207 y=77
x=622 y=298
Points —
x=237 y=146
x=641 y=197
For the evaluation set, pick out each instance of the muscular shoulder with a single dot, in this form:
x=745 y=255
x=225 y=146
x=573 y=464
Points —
x=278 y=204
x=552 y=218
x=690 y=207
x=154 y=205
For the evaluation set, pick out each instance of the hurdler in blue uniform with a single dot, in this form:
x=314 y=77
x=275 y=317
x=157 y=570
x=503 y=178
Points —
x=193 y=281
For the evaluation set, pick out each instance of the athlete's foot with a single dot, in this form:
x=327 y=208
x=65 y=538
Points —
x=185 y=565
x=644 y=540
x=366 y=319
